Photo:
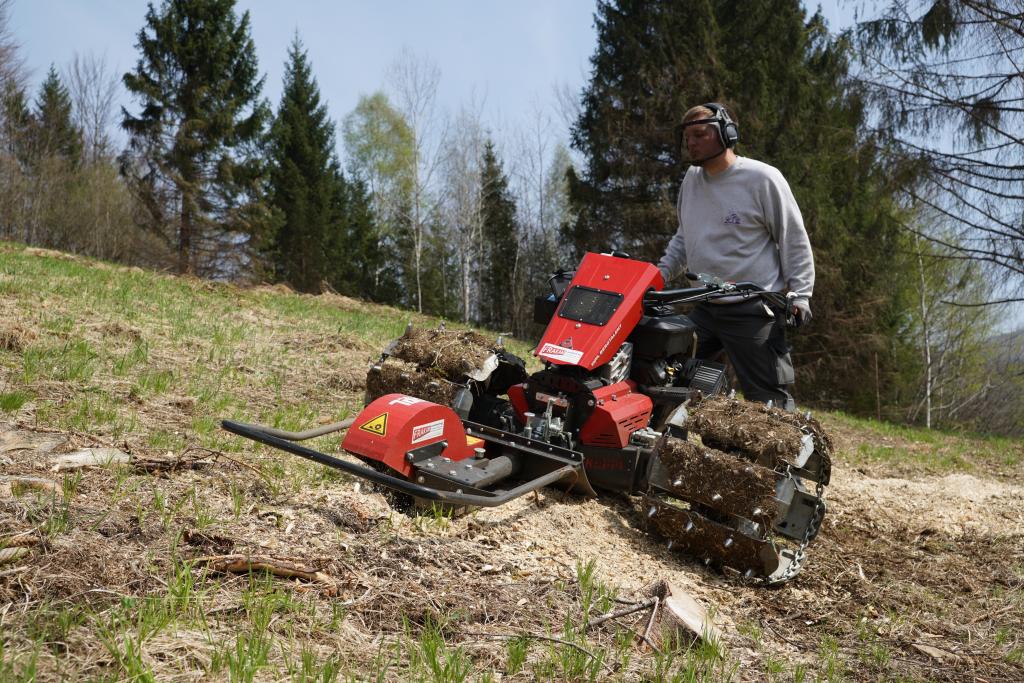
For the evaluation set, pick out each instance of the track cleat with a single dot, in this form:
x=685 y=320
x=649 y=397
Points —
x=744 y=515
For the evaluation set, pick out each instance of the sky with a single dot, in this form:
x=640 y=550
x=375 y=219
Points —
x=505 y=58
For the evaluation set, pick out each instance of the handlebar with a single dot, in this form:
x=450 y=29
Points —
x=716 y=289
x=708 y=292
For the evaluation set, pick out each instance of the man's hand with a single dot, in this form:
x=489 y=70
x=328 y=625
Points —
x=800 y=307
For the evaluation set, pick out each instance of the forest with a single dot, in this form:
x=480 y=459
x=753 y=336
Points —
x=899 y=135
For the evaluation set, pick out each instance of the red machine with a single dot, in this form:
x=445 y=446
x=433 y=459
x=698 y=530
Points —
x=609 y=409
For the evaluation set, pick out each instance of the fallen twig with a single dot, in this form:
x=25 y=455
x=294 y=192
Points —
x=219 y=454
x=16 y=570
x=154 y=465
x=622 y=612
x=243 y=564
x=534 y=636
x=650 y=622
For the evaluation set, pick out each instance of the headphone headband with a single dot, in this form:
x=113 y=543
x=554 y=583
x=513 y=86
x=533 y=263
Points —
x=728 y=131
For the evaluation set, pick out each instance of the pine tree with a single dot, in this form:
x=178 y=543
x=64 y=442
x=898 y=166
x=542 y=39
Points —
x=55 y=133
x=195 y=156
x=17 y=122
x=359 y=266
x=654 y=58
x=785 y=78
x=500 y=243
x=305 y=178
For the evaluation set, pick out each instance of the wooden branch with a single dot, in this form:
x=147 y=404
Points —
x=244 y=564
x=155 y=465
x=534 y=636
x=650 y=623
x=621 y=612
x=219 y=454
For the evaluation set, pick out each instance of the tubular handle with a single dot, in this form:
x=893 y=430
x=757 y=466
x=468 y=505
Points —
x=261 y=435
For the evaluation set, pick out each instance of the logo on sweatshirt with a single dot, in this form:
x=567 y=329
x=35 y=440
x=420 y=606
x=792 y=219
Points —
x=732 y=219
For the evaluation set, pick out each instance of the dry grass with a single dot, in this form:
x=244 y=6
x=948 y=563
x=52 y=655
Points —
x=918 y=574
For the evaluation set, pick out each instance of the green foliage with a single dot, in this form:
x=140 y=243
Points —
x=198 y=134
x=651 y=61
x=431 y=655
x=17 y=122
x=49 y=197
x=306 y=185
x=785 y=79
x=500 y=243
x=12 y=401
x=55 y=132
x=357 y=265
x=381 y=151
x=518 y=648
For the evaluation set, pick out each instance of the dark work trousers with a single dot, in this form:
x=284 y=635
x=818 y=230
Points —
x=754 y=337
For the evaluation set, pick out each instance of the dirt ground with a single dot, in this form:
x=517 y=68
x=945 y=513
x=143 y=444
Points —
x=910 y=577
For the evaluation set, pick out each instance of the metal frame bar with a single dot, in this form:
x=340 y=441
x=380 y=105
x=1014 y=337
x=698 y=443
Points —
x=260 y=435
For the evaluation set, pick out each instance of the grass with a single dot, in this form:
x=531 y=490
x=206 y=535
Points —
x=935 y=450
x=12 y=401
x=117 y=590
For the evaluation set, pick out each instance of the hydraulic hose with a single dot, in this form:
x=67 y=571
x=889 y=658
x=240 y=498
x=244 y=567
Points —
x=299 y=436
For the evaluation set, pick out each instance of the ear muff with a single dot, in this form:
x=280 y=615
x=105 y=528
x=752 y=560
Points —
x=728 y=131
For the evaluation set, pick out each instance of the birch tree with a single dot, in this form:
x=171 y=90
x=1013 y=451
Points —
x=94 y=89
x=460 y=210
x=414 y=80
x=379 y=146
x=539 y=163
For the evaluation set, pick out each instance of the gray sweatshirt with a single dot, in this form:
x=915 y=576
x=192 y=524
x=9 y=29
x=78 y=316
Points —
x=741 y=225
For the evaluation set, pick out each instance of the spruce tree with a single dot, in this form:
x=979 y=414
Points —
x=55 y=132
x=17 y=122
x=305 y=178
x=785 y=79
x=500 y=243
x=358 y=266
x=194 y=145
x=327 y=232
x=653 y=59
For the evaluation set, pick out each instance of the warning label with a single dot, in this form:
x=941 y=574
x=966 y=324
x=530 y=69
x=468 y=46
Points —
x=377 y=426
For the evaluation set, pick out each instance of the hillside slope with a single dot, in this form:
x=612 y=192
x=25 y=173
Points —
x=122 y=571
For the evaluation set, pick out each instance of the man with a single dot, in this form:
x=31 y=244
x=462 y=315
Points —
x=738 y=221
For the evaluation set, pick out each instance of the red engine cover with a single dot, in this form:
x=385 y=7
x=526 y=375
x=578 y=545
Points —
x=619 y=412
x=573 y=342
x=395 y=424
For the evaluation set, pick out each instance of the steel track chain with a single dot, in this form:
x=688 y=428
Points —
x=809 y=533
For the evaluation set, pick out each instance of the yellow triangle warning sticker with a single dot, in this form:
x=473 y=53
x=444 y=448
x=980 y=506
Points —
x=377 y=426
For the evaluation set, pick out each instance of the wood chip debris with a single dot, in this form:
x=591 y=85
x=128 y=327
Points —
x=89 y=457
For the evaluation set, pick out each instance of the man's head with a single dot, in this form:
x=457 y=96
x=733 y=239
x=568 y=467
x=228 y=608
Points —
x=708 y=132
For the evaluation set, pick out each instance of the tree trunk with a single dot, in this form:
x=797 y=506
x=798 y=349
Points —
x=926 y=331
x=185 y=237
